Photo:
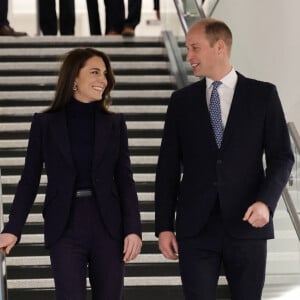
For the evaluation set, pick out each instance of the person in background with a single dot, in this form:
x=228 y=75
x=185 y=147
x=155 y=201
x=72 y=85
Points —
x=157 y=8
x=114 y=20
x=48 y=19
x=211 y=174
x=133 y=18
x=91 y=209
x=5 y=28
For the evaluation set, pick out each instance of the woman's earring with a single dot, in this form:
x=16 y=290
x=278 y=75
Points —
x=75 y=87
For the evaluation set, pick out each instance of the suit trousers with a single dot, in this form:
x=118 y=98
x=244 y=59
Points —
x=114 y=16
x=87 y=249
x=134 y=13
x=201 y=257
x=3 y=12
x=94 y=18
x=48 y=19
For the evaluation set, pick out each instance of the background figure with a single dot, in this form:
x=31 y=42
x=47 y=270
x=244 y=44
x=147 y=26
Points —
x=48 y=18
x=5 y=28
x=91 y=216
x=133 y=18
x=94 y=18
x=157 y=8
x=114 y=16
x=218 y=133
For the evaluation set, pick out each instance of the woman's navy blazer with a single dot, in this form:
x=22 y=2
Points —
x=111 y=175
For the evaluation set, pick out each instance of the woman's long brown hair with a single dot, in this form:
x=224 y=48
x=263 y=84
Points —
x=72 y=63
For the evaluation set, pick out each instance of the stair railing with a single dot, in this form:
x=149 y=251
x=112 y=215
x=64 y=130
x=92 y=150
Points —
x=3 y=277
x=189 y=11
x=291 y=193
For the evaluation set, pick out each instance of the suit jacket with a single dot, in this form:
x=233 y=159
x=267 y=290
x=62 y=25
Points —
x=235 y=173
x=112 y=179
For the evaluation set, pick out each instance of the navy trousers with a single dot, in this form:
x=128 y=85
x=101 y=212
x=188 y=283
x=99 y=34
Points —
x=48 y=18
x=201 y=257
x=86 y=249
x=3 y=12
x=134 y=13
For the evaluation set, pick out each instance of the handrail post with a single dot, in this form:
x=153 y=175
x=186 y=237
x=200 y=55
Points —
x=37 y=13
x=3 y=278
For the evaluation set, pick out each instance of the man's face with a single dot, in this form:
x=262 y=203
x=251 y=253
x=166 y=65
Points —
x=201 y=55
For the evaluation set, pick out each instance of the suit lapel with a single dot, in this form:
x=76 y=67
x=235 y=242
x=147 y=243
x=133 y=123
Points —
x=60 y=133
x=235 y=112
x=103 y=127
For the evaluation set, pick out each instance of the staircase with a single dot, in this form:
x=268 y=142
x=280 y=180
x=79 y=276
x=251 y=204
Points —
x=28 y=68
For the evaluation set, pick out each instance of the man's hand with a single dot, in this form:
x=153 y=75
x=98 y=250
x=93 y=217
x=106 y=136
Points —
x=168 y=245
x=258 y=214
x=132 y=247
x=7 y=241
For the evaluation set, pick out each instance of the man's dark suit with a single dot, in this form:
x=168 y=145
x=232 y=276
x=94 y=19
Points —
x=233 y=175
x=112 y=180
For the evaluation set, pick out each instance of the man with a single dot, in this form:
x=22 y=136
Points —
x=5 y=28
x=210 y=171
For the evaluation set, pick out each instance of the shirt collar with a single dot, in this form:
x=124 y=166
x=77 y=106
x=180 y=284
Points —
x=228 y=80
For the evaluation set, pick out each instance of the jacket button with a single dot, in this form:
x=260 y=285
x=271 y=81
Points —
x=215 y=183
x=219 y=161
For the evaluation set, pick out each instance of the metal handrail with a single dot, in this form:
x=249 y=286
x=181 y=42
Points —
x=290 y=206
x=181 y=17
x=292 y=211
x=175 y=57
x=3 y=277
x=199 y=5
x=295 y=135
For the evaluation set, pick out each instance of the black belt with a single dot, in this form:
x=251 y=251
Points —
x=83 y=193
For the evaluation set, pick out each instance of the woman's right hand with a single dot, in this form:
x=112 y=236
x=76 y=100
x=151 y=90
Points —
x=7 y=241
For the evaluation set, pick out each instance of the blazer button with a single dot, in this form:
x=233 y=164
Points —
x=215 y=183
x=219 y=161
x=97 y=179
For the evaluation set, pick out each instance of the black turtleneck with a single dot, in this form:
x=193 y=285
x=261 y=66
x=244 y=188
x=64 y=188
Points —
x=81 y=127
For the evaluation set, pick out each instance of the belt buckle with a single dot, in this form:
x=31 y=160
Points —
x=83 y=193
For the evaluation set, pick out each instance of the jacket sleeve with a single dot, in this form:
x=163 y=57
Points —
x=278 y=153
x=168 y=172
x=126 y=185
x=29 y=183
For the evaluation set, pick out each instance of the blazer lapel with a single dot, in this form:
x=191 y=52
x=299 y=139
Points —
x=103 y=127
x=60 y=133
x=236 y=111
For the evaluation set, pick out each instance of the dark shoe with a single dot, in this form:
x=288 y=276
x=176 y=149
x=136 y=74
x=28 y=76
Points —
x=6 y=30
x=128 y=31
x=113 y=33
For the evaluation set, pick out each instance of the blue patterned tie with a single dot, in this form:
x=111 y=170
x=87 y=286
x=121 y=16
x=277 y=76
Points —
x=215 y=113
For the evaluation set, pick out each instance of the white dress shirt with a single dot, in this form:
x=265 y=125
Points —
x=226 y=91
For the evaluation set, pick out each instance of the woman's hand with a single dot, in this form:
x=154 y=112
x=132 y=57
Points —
x=132 y=247
x=7 y=241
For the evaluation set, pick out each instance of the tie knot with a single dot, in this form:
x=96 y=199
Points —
x=216 y=84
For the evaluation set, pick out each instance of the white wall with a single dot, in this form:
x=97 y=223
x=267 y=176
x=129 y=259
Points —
x=266 y=45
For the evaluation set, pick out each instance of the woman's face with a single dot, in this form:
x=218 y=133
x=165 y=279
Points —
x=91 y=80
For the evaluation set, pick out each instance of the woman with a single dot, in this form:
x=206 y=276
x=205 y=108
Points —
x=91 y=210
